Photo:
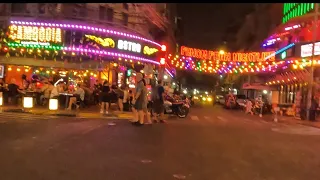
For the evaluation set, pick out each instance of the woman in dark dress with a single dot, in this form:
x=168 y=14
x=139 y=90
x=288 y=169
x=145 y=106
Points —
x=105 y=98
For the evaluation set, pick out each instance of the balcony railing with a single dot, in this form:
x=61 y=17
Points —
x=83 y=14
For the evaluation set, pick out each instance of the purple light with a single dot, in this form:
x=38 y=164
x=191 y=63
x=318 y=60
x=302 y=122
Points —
x=85 y=27
x=112 y=54
x=169 y=72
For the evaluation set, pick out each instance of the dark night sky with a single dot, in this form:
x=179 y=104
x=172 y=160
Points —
x=205 y=26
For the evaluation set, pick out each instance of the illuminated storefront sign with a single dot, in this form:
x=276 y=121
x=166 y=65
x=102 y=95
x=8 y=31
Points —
x=306 y=50
x=129 y=46
x=83 y=41
x=34 y=34
x=149 y=51
x=226 y=56
x=106 y=42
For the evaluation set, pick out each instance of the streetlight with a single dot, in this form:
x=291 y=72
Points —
x=316 y=7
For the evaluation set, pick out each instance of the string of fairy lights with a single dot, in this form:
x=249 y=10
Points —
x=223 y=67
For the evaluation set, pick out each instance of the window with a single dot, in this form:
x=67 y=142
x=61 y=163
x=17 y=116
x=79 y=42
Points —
x=42 y=8
x=102 y=12
x=125 y=6
x=110 y=14
x=125 y=19
x=18 y=7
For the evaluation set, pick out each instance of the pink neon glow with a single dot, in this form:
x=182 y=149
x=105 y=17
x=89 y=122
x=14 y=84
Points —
x=85 y=27
x=108 y=53
x=292 y=27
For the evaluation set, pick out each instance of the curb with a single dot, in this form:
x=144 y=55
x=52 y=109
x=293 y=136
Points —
x=90 y=116
x=20 y=110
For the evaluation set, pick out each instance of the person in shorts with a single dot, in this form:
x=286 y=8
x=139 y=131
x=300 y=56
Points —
x=139 y=100
x=158 y=102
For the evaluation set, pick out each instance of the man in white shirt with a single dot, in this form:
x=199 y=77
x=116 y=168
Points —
x=79 y=96
x=56 y=90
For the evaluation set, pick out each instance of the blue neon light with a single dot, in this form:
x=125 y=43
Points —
x=280 y=51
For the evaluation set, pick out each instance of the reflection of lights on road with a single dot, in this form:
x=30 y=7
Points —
x=185 y=91
x=264 y=91
x=165 y=77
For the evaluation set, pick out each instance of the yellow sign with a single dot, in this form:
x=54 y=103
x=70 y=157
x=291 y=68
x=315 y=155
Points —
x=35 y=33
x=106 y=42
x=149 y=51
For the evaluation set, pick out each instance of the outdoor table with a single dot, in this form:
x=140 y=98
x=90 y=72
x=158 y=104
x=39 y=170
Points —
x=67 y=95
x=35 y=95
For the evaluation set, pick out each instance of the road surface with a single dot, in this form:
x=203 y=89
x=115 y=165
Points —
x=210 y=144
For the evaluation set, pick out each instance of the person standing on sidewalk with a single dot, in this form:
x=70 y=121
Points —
x=138 y=101
x=105 y=98
x=158 y=102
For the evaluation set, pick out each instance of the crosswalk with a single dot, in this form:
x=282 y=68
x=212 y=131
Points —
x=6 y=117
x=223 y=119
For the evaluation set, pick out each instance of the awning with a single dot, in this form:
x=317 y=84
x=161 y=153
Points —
x=291 y=77
x=21 y=61
x=255 y=86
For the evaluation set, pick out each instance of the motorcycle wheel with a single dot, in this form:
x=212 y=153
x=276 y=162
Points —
x=183 y=112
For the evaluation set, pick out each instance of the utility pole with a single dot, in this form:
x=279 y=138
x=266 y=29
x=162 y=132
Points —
x=314 y=38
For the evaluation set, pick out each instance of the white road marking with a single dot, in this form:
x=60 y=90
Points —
x=194 y=118
x=222 y=118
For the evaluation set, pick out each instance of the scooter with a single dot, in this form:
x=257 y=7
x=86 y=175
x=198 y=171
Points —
x=179 y=108
x=172 y=106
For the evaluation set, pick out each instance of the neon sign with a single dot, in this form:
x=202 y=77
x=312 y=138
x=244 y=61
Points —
x=106 y=42
x=129 y=46
x=35 y=33
x=306 y=50
x=149 y=51
x=226 y=56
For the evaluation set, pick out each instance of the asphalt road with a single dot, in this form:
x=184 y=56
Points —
x=211 y=144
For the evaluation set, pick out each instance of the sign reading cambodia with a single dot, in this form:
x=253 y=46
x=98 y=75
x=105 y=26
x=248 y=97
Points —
x=227 y=56
x=35 y=34
x=86 y=39
x=306 y=49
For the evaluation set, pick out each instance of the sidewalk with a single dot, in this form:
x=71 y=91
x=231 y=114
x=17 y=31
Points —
x=90 y=113
x=291 y=120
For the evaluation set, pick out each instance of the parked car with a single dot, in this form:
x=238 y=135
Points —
x=220 y=99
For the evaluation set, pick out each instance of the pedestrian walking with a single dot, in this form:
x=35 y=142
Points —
x=158 y=102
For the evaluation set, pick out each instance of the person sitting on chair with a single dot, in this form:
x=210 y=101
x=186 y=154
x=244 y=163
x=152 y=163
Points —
x=79 y=96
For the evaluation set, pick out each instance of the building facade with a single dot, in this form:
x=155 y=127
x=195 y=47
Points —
x=106 y=41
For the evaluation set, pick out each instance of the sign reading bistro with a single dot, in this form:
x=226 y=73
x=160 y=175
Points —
x=226 y=56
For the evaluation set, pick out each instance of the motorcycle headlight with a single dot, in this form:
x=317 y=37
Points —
x=209 y=99
x=204 y=99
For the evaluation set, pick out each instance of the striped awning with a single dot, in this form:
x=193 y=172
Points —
x=291 y=77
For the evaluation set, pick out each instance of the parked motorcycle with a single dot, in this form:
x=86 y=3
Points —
x=172 y=106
